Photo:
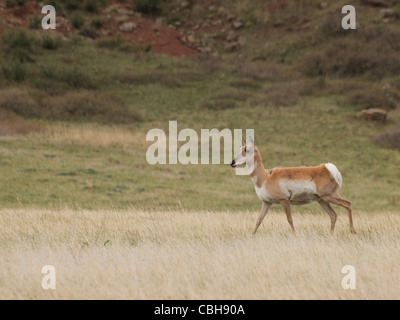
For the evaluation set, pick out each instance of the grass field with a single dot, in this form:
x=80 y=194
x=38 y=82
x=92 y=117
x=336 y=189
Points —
x=77 y=192
x=103 y=167
x=195 y=255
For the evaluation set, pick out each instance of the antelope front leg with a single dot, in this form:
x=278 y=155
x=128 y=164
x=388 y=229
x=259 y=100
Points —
x=264 y=209
x=286 y=205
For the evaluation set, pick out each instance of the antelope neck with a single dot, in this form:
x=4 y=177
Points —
x=259 y=175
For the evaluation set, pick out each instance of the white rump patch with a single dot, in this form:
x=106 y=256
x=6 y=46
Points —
x=335 y=173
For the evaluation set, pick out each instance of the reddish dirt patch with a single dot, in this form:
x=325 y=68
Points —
x=18 y=15
x=162 y=38
x=273 y=6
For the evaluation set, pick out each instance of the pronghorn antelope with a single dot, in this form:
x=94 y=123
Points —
x=298 y=185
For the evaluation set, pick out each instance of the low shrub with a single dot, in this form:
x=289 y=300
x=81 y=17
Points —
x=88 y=31
x=278 y=95
x=88 y=105
x=91 y=5
x=69 y=76
x=370 y=98
x=152 y=77
x=19 y=101
x=218 y=104
x=12 y=124
x=35 y=22
x=18 y=39
x=350 y=57
x=14 y=71
x=264 y=71
x=77 y=20
x=96 y=22
x=13 y=3
x=147 y=6
x=71 y=4
x=50 y=43
x=365 y=94
x=390 y=139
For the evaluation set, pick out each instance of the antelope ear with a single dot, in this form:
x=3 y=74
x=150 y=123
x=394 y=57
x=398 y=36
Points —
x=251 y=140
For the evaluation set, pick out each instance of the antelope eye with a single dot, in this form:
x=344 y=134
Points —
x=247 y=150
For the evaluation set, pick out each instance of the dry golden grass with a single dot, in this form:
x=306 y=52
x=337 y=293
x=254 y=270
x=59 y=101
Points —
x=91 y=134
x=195 y=255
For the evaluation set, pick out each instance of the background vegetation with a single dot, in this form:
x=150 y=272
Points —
x=74 y=111
x=76 y=191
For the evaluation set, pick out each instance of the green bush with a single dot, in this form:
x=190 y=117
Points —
x=91 y=5
x=88 y=31
x=97 y=22
x=15 y=72
x=371 y=97
x=350 y=57
x=390 y=139
x=50 y=43
x=18 y=39
x=147 y=6
x=72 y=4
x=88 y=105
x=58 y=5
x=77 y=20
x=19 y=44
x=13 y=3
x=75 y=78
x=18 y=101
x=35 y=22
x=172 y=20
x=53 y=78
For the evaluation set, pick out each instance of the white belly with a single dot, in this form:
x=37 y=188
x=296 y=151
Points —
x=299 y=191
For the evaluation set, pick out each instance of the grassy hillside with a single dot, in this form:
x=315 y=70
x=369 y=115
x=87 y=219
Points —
x=74 y=111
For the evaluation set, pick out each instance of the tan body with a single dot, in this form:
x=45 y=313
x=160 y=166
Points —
x=297 y=186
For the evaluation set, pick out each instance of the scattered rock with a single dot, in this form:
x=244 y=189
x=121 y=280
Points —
x=230 y=17
x=375 y=114
x=232 y=46
x=323 y=4
x=121 y=19
x=205 y=49
x=221 y=10
x=388 y=15
x=232 y=36
x=88 y=31
x=374 y=3
x=127 y=27
x=242 y=41
x=237 y=24
x=185 y=4
x=191 y=39
x=124 y=11
x=157 y=24
x=216 y=23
